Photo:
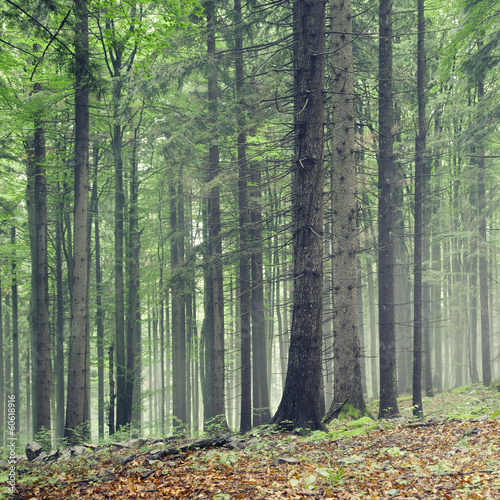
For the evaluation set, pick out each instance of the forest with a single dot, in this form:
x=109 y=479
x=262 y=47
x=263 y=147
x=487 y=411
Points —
x=218 y=215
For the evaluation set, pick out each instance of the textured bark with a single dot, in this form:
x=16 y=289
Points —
x=483 y=257
x=419 y=226
x=178 y=309
x=75 y=409
x=215 y=304
x=387 y=346
x=134 y=364
x=261 y=411
x=59 y=331
x=347 y=366
x=99 y=309
x=39 y=305
x=302 y=400
x=244 y=264
x=121 y=369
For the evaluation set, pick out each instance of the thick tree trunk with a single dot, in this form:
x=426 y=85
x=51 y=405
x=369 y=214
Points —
x=302 y=401
x=39 y=314
x=77 y=361
x=387 y=346
x=347 y=366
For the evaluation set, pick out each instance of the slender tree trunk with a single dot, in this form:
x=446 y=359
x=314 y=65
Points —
x=483 y=257
x=59 y=323
x=133 y=313
x=178 y=310
x=75 y=410
x=373 y=328
x=419 y=226
x=214 y=233
x=261 y=410
x=387 y=347
x=302 y=402
x=244 y=289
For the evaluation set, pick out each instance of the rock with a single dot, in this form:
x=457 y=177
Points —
x=52 y=457
x=158 y=454
x=479 y=419
x=40 y=458
x=122 y=444
x=285 y=460
x=128 y=459
x=141 y=471
x=104 y=473
x=78 y=451
x=235 y=443
x=33 y=450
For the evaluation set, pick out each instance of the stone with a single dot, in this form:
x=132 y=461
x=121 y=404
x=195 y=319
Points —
x=33 y=450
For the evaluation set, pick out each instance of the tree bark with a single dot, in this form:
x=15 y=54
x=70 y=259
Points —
x=244 y=264
x=419 y=226
x=347 y=366
x=216 y=346
x=483 y=257
x=302 y=400
x=77 y=361
x=387 y=346
x=178 y=310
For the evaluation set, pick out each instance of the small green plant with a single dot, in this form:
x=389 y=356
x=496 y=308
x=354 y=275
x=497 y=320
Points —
x=331 y=476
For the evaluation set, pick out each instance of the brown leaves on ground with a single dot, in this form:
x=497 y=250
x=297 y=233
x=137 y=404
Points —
x=441 y=460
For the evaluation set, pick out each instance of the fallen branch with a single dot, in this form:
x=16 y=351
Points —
x=334 y=412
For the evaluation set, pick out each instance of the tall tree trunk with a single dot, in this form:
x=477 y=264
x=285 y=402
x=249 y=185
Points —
x=122 y=401
x=373 y=328
x=483 y=257
x=347 y=366
x=419 y=226
x=302 y=401
x=261 y=410
x=387 y=346
x=59 y=322
x=178 y=309
x=472 y=272
x=244 y=288
x=39 y=315
x=215 y=330
x=75 y=410
x=133 y=313
x=99 y=308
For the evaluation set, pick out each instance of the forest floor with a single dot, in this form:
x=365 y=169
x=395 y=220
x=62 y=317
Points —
x=453 y=453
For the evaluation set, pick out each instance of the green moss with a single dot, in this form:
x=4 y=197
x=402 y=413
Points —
x=460 y=390
x=362 y=422
x=348 y=411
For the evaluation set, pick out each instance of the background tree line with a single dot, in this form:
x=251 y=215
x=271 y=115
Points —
x=219 y=214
